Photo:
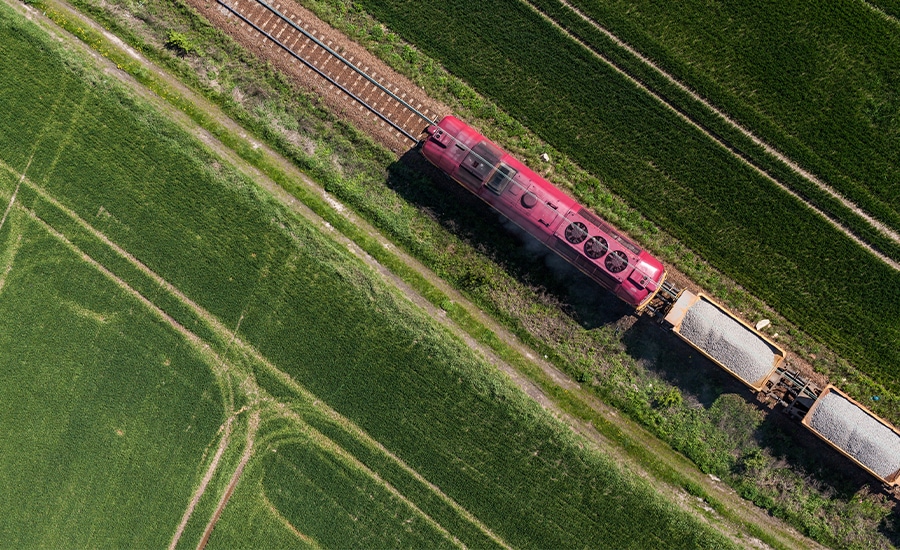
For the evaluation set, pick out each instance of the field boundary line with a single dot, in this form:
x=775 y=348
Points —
x=796 y=168
x=221 y=329
x=852 y=236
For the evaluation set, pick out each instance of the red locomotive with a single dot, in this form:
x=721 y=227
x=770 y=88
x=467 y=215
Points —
x=593 y=246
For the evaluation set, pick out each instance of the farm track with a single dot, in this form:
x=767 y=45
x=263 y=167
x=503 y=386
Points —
x=732 y=150
x=252 y=427
x=350 y=80
x=788 y=536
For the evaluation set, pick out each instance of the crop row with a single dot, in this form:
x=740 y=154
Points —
x=313 y=311
x=817 y=80
x=668 y=170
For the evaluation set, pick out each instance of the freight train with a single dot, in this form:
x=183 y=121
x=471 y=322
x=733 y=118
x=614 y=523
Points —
x=608 y=257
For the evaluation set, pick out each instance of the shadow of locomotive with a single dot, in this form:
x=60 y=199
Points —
x=521 y=255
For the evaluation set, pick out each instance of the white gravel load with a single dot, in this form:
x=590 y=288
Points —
x=729 y=342
x=858 y=433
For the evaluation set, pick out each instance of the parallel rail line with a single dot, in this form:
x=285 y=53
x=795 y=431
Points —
x=340 y=72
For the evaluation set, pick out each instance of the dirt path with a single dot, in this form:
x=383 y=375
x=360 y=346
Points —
x=741 y=508
x=736 y=154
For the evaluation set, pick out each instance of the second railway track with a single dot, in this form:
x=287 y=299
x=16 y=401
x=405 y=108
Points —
x=277 y=26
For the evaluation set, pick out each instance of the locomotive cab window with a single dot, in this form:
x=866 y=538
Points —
x=501 y=178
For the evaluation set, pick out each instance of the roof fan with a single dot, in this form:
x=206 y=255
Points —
x=576 y=232
x=616 y=261
x=595 y=247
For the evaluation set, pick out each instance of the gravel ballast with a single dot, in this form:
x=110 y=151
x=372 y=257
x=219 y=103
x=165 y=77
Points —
x=858 y=433
x=742 y=352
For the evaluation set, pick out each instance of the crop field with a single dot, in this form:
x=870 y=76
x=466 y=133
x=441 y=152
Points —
x=156 y=292
x=107 y=411
x=769 y=64
x=669 y=170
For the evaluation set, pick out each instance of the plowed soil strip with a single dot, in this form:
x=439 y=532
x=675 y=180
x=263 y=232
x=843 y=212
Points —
x=728 y=148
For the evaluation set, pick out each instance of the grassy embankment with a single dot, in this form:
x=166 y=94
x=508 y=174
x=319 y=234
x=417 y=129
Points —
x=388 y=384
x=721 y=438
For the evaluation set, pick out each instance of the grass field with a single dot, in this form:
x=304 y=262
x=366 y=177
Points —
x=672 y=173
x=107 y=411
x=393 y=396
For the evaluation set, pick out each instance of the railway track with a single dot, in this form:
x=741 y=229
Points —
x=278 y=27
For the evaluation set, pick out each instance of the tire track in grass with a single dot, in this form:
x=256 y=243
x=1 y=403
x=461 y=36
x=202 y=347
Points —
x=217 y=326
x=288 y=525
x=733 y=152
x=329 y=445
x=12 y=199
x=213 y=465
x=796 y=168
x=252 y=426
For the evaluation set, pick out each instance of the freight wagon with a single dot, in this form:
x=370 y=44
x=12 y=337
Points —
x=604 y=254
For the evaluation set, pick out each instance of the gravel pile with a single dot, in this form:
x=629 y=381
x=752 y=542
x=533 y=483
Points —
x=744 y=353
x=857 y=433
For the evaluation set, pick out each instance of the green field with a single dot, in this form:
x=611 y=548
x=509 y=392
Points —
x=672 y=173
x=107 y=411
x=363 y=401
x=640 y=371
x=817 y=80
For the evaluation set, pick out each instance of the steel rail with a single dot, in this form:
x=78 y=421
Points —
x=374 y=111
x=344 y=60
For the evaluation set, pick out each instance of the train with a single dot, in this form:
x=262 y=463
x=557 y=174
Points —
x=618 y=264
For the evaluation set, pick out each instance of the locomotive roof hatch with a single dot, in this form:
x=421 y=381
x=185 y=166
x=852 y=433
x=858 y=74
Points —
x=479 y=163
